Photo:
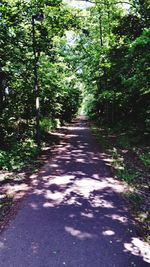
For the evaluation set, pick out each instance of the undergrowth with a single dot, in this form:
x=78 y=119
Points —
x=20 y=153
x=18 y=156
x=130 y=162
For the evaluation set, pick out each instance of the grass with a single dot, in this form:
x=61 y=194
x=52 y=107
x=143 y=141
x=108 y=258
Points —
x=128 y=175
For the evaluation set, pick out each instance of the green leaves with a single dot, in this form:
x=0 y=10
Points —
x=103 y=50
x=17 y=96
x=18 y=157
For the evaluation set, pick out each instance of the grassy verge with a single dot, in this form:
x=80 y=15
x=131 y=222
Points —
x=130 y=162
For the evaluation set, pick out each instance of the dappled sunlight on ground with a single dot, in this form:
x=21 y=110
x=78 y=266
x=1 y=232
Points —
x=74 y=208
x=138 y=248
x=108 y=232
x=17 y=191
x=84 y=183
x=78 y=234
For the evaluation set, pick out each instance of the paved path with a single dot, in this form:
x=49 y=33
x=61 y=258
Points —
x=74 y=215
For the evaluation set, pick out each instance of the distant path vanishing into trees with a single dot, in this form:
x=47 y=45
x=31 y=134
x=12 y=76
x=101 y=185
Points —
x=74 y=215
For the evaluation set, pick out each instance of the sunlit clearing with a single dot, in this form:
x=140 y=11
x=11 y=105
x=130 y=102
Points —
x=138 y=248
x=77 y=233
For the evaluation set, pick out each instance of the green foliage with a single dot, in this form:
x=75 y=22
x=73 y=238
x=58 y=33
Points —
x=18 y=156
x=145 y=157
x=103 y=50
x=123 y=141
x=70 y=103
x=48 y=124
x=123 y=80
x=59 y=96
x=129 y=176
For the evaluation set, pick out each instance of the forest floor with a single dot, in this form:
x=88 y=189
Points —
x=73 y=213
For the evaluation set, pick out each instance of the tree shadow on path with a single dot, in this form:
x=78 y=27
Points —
x=74 y=215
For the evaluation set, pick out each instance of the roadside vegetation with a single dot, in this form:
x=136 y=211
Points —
x=130 y=166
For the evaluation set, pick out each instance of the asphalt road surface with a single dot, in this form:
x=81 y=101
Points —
x=74 y=216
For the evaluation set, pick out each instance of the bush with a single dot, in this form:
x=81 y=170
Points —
x=48 y=124
x=18 y=156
